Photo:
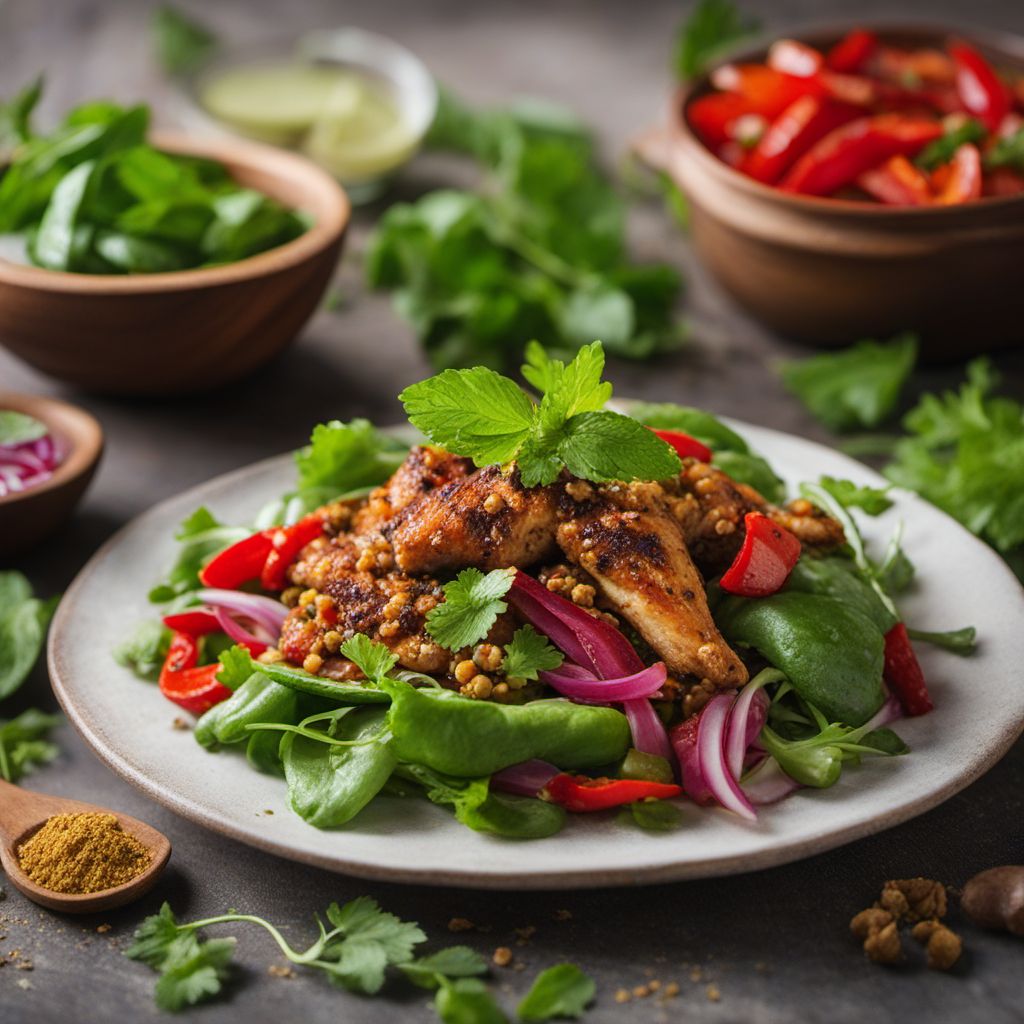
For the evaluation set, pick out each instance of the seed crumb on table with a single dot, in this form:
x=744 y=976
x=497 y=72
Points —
x=460 y=924
x=713 y=994
x=281 y=971
x=502 y=956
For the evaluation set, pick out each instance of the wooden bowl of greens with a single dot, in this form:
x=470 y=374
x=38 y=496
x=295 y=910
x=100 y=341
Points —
x=157 y=265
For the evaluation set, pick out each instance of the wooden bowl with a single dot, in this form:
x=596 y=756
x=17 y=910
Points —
x=828 y=271
x=29 y=516
x=188 y=330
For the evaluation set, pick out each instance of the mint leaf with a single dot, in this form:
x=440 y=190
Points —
x=530 y=653
x=454 y=962
x=560 y=991
x=873 y=500
x=373 y=659
x=712 y=27
x=856 y=387
x=477 y=413
x=568 y=390
x=471 y=606
x=602 y=446
x=145 y=649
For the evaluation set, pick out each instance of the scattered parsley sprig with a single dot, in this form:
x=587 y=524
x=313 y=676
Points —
x=487 y=417
x=530 y=653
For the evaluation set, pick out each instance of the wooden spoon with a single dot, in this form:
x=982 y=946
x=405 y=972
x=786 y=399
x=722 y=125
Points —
x=22 y=812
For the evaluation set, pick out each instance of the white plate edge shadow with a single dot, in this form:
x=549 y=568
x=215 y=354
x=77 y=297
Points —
x=665 y=866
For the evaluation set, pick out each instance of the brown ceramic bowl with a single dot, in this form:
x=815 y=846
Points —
x=29 y=516
x=163 y=334
x=829 y=272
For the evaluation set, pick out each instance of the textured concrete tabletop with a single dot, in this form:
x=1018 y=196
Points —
x=760 y=948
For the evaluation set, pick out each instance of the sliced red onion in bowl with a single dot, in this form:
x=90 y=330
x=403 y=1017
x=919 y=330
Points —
x=27 y=464
x=768 y=783
x=525 y=779
x=627 y=688
x=711 y=755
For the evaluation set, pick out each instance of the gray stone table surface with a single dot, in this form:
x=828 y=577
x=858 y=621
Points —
x=773 y=944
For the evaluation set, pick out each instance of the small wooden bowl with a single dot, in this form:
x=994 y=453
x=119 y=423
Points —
x=189 y=330
x=828 y=271
x=29 y=516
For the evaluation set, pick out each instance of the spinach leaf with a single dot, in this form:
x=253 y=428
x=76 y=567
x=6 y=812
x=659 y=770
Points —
x=256 y=700
x=23 y=622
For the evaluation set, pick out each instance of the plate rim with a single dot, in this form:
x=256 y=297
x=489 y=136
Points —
x=827 y=839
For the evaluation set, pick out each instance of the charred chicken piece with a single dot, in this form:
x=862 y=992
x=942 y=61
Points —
x=626 y=538
x=710 y=507
x=425 y=470
x=488 y=520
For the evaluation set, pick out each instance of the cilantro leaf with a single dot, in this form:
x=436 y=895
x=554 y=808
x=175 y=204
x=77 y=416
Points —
x=942 y=150
x=195 y=978
x=145 y=649
x=24 y=744
x=237 y=665
x=477 y=413
x=959 y=641
x=156 y=937
x=182 y=43
x=603 y=446
x=560 y=991
x=373 y=659
x=713 y=27
x=530 y=653
x=471 y=606
x=873 y=500
x=857 y=387
x=467 y=1001
x=453 y=962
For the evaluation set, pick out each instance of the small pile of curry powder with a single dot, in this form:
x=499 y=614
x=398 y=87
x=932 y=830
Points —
x=82 y=853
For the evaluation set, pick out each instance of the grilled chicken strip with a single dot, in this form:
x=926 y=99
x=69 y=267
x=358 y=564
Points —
x=710 y=507
x=488 y=520
x=626 y=538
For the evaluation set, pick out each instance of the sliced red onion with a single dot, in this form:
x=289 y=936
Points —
x=27 y=464
x=627 y=688
x=768 y=783
x=889 y=712
x=525 y=779
x=711 y=753
x=256 y=645
x=263 y=611
x=684 y=743
x=747 y=718
x=649 y=736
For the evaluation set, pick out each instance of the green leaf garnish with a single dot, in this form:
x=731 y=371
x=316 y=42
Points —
x=959 y=641
x=560 y=991
x=530 y=653
x=942 y=150
x=23 y=622
x=145 y=649
x=873 y=500
x=471 y=606
x=17 y=428
x=182 y=43
x=713 y=27
x=373 y=659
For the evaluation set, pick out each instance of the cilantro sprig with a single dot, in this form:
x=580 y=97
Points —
x=471 y=606
x=530 y=653
x=488 y=418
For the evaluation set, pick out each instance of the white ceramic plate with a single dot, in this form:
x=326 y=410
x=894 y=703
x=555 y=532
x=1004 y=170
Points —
x=979 y=713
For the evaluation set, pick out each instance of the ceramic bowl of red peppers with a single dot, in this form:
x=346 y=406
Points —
x=859 y=182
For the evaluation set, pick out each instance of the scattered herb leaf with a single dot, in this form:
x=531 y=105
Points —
x=873 y=500
x=560 y=991
x=530 y=653
x=713 y=27
x=471 y=606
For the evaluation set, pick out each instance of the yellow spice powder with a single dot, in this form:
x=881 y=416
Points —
x=80 y=853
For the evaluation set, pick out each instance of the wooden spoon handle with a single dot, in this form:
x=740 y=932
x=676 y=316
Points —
x=20 y=809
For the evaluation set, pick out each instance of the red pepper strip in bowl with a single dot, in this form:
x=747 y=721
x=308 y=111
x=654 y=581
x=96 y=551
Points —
x=792 y=133
x=794 y=58
x=197 y=622
x=286 y=543
x=765 y=560
x=194 y=689
x=903 y=673
x=1002 y=181
x=714 y=116
x=686 y=447
x=237 y=564
x=767 y=92
x=980 y=89
x=964 y=178
x=847 y=152
x=897 y=182
x=580 y=793
x=852 y=52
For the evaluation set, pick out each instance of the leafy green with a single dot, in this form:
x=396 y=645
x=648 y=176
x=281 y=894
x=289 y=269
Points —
x=145 y=649
x=942 y=150
x=17 y=428
x=23 y=622
x=453 y=962
x=467 y=1001
x=560 y=991
x=201 y=537
x=93 y=197
x=873 y=500
x=856 y=387
x=373 y=659
x=182 y=43
x=24 y=744
x=1007 y=152
x=965 y=453
x=471 y=606
x=959 y=641
x=653 y=815
x=15 y=115
x=487 y=417
x=538 y=251
x=529 y=653
x=713 y=27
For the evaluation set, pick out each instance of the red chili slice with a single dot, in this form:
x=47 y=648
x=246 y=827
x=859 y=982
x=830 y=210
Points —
x=194 y=689
x=286 y=543
x=197 y=622
x=897 y=182
x=765 y=560
x=686 y=447
x=582 y=794
x=964 y=178
x=237 y=564
x=980 y=89
x=853 y=51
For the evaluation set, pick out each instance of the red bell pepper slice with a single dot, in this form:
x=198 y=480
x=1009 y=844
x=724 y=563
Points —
x=686 y=447
x=197 y=622
x=286 y=543
x=194 y=689
x=847 y=152
x=792 y=133
x=980 y=89
x=794 y=58
x=582 y=794
x=765 y=560
x=903 y=672
x=714 y=116
x=963 y=181
x=852 y=52
x=897 y=182
x=237 y=564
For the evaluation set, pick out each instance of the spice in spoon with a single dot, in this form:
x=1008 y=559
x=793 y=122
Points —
x=82 y=853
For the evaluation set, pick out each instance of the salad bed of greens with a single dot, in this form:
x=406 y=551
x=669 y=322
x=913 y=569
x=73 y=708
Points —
x=831 y=661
